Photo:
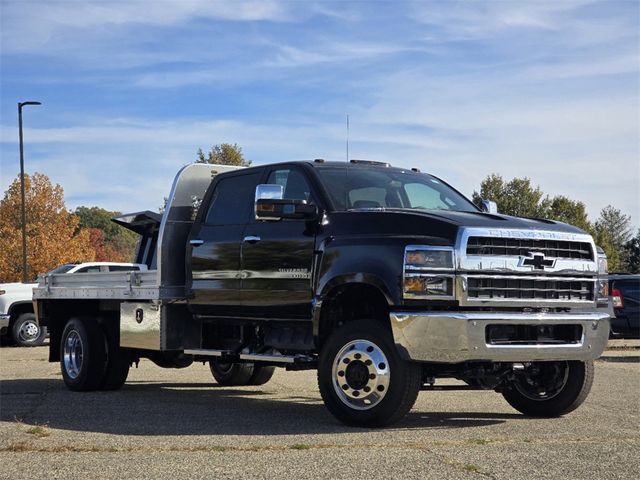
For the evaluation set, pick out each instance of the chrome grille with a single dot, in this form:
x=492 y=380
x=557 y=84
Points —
x=500 y=288
x=514 y=247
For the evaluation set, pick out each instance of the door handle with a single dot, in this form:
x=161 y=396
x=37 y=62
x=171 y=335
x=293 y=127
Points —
x=251 y=239
x=196 y=242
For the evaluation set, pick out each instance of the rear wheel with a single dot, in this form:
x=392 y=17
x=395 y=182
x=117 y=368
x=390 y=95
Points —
x=231 y=374
x=261 y=374
x=550 y=389
x=83 y=354
x=362 y=379
x=118 y=363
x=27 y=332
x=238 y=374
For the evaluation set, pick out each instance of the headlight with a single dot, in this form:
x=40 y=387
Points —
x=603 y=270
x=426 y=272
x=603 y=265
x=428 y=258
x=428 y=286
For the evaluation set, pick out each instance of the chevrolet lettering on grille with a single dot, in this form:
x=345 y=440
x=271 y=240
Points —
x=538 y=261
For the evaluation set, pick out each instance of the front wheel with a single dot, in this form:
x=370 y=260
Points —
x=362 y=379
x=550 y=389
x=27 y=332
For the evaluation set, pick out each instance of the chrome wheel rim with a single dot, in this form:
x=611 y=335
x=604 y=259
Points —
x=544 y=382
x=73 y=354
x=361 y=374
x=29 y=331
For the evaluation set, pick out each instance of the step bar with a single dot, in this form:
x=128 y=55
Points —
x=252 y=357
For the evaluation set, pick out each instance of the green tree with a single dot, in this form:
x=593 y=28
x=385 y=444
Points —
x=574 y=212
x=611 y=231
x=223 y=154
x=96 y=217
x=617 y=228
x=516 y=197
x=617 y=224
x=116 y=242
x=632 y=248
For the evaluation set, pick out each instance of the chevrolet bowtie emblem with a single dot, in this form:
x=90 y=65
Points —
x=537 y=260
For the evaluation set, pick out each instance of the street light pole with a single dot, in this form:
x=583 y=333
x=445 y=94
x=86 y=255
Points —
x=24 y=206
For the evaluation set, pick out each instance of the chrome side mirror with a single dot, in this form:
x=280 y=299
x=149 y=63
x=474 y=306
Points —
x=489 y=206
x=267 y=191
x=270 y=205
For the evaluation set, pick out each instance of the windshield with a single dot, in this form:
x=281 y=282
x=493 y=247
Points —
x=357 y=188
x=63 y=268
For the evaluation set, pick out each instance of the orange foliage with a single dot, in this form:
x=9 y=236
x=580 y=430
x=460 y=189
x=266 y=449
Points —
x=53 y=236
x=105 y=251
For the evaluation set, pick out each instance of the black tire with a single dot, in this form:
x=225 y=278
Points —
x=261 y=374
x=400 y=380
x=231 y=374
x=564 y=387
x=118 y=363
x=83 y=354
x=27 y=332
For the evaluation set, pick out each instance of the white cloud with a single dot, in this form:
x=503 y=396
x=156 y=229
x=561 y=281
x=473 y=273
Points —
x=483 y=19
x=29 y=27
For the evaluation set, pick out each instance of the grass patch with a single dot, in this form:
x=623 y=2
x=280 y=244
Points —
x=18 y=447
x=38 y=431
x=470 y=467
x=300 y=446
x=479 y=441
x=218 y=448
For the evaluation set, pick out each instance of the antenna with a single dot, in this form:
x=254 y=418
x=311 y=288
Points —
x=347 y=138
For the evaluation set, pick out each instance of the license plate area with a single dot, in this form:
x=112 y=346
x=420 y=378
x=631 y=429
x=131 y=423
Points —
x=517 y=334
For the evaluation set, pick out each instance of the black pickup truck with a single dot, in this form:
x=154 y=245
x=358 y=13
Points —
x=383 y=279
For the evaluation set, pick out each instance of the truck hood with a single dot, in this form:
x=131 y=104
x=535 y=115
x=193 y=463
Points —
x=438 y=224
x=490 y=220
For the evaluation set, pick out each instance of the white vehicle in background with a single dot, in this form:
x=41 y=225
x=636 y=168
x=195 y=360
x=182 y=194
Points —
x=16 y=308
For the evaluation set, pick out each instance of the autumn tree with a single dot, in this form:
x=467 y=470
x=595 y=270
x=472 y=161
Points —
x=53 y=236
x=223 y=154
x=105 y=250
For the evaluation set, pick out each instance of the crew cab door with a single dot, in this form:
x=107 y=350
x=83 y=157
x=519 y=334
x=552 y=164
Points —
x=215 y=245
x=277 y=256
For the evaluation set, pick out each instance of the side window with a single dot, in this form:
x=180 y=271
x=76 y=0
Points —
x=122 y=268
x=89 y=269
x=232 y=201
x=293 y=182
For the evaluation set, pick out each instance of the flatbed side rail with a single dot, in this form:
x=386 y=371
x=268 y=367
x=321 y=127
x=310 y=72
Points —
x=103 y=285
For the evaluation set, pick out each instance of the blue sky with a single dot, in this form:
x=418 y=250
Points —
x=131 y=89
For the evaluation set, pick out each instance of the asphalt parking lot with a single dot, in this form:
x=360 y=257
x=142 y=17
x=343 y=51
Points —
x=178 y=423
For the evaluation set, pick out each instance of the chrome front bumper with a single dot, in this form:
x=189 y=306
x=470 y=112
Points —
x=453 y=337
x=4 y=321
